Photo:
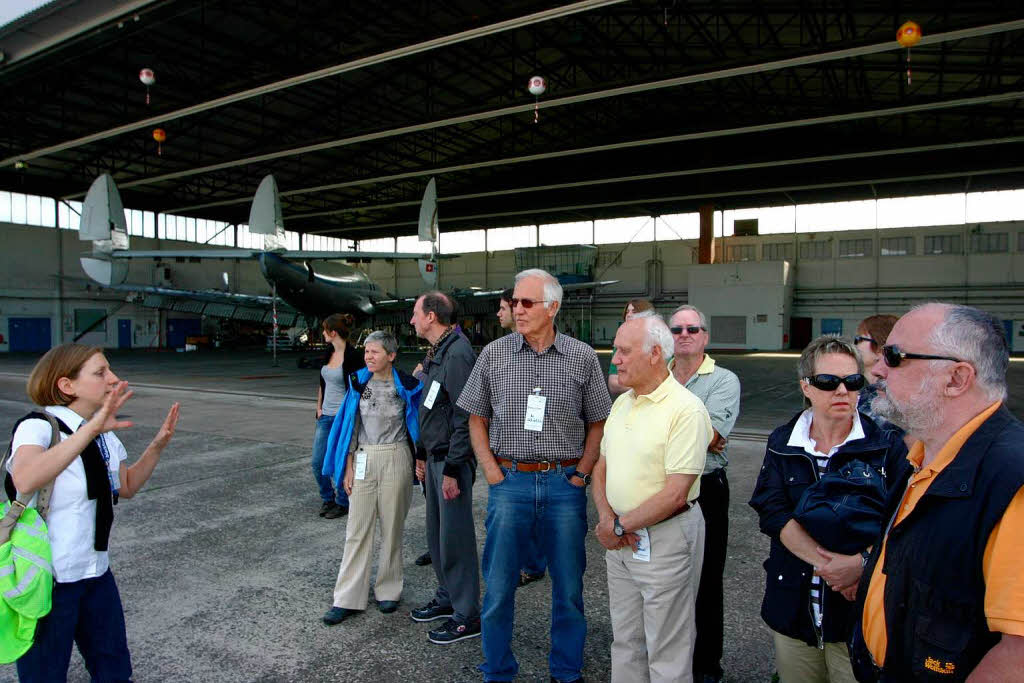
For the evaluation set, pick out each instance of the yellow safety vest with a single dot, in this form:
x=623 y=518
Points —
x=26 y=583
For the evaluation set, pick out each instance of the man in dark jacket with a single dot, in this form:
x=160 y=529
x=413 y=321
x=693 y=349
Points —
x=448 y=472
x=942 y=596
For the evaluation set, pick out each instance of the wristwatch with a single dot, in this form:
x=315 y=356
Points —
x=581 y=475
x=619 y=531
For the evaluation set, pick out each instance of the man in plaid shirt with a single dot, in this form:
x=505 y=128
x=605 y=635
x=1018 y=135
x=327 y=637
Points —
x=537 y=402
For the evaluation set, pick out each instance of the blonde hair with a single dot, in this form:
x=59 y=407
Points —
x=65 y=360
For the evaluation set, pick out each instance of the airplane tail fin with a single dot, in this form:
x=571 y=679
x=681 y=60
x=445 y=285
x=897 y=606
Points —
x=104 y=225
x=265 y=216
x=428 y=233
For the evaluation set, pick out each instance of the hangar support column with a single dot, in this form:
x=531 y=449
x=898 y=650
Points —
x=706 y=244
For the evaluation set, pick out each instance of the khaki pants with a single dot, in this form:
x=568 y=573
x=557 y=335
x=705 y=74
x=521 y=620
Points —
x=652 y=603
x=798 y=662
x=384 y=494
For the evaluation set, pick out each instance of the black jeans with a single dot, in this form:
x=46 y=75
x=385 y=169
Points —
x=714 y=503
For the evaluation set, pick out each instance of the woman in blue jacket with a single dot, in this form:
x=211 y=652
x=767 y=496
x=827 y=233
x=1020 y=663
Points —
x=810 y=585
x=370 y=453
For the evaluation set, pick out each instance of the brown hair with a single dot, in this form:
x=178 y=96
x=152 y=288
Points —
x=877 y=327
x=638 y=306
x=340 y=323
x=65 y=360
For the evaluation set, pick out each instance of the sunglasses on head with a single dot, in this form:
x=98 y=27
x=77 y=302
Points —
x=859 y=338
x=692 y=329
x=894 y=355
x=832 y=382
x=527 y=303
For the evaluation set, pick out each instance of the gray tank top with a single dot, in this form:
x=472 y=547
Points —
x=334 y=389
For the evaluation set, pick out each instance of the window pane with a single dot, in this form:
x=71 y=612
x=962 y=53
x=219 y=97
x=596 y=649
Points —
x=835 y=216
x=18 y=207
x=147 y=224
x=381 y=244
x=503 y=239
x=49 y=212
x=897 y=246
x=678 y=226
x=75 y=215
x=33 y=209
x=741 y=252
x=1006 y=205
x=854 y=248
x=816 y=250
x=936 y=209
x=943 y=244
x=462 y=242
x=780 y=251
x=622 y=230
x=5 y=206
x=410 y=244
x=990 y=243
x=87 y=317
x=554 y=234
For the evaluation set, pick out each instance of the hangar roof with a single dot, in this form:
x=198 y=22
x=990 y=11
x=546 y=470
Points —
x=652 y=106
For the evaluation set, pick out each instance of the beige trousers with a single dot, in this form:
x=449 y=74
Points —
x=385 y=495
x=798 y=662
x=652 y=603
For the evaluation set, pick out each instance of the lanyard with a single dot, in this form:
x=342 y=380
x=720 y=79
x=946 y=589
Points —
x=111 y=476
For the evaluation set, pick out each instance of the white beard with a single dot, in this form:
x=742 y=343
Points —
x=920 y=417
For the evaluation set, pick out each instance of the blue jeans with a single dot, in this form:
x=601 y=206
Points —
x=86 y=612
x=534 y=563
x=544 y=506
x=320 y=436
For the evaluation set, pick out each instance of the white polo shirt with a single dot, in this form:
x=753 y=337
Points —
x=72 y=517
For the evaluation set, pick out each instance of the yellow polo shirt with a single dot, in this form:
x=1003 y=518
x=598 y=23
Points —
x=646 y=438
x=1004 y=589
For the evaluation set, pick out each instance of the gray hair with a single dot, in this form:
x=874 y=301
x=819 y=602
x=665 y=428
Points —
x=656 y=333
x=700 y=314
x=384 y=338
x=978 y=338
x=823 y=345
x=552 y=288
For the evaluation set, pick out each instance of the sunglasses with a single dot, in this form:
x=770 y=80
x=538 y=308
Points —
x=692 y=329
x=894 y=355
x=527 y=303
x=858 y=339
x=832 y=382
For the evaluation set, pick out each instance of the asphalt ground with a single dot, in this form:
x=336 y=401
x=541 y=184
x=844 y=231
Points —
x=225 y=568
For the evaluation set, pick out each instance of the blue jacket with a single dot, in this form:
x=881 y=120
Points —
x=409 y=389
x=787 y=472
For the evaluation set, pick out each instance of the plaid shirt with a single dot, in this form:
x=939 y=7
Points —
x=568 y=374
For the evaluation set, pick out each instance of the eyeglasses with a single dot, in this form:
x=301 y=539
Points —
x=692 y=329
x=858 y=339
x=894 y=355
x=832 y=382
x=527 y=303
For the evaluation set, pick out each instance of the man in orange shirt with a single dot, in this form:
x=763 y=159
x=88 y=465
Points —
x=945 y=597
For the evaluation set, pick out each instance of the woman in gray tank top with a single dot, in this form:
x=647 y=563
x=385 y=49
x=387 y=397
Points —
x=333 y=382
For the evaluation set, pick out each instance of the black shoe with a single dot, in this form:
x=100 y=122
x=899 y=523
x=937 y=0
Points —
x=454 y=631
x=431 y=611
x=326 y=507
x=336 y=615
x=387 y=606
x=423 y=560
x=700 y=677
x=526 y=578
x=575 y=680
x=336 y=511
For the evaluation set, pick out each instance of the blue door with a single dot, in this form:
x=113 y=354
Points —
x=29 y=334
x=124 y=334
x=179 y=328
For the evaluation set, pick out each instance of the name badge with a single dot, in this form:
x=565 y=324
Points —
x=428 y=402
x=361 y=465
x=535 y=404
x=643 y=545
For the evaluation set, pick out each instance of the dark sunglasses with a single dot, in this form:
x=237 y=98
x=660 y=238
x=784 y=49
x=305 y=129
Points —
x=831 y=382
x=859 y=338
x=527 y=303
x=894 y=355
x=692 y=329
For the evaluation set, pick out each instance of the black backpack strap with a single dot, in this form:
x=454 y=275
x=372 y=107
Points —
x=44 y=493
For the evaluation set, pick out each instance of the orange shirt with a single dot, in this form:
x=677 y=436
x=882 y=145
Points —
x=1004 y=587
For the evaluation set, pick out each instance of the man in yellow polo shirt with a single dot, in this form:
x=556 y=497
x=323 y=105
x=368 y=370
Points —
x=945 y=595
x=645 y=488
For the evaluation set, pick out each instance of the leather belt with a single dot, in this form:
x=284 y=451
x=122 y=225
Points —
x=542 y=466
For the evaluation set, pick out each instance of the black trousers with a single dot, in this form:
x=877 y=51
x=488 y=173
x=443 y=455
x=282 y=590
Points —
x=714 y=503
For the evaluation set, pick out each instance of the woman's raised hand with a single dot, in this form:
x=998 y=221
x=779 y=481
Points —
x=167 y=429
x=105 y=419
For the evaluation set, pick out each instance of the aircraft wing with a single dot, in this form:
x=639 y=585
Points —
x=186 y=253
x=252 y=307
x=570 y=287
x=253 y=253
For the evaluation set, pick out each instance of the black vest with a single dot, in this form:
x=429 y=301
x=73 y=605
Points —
x=934 y=589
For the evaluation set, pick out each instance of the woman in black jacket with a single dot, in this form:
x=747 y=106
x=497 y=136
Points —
x=810 y=585
x=340 y=361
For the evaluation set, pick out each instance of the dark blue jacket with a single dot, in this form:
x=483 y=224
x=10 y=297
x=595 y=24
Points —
x=408 y=388
x=785 y=475
x=934 y=597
